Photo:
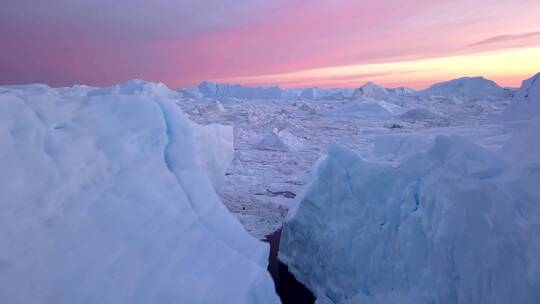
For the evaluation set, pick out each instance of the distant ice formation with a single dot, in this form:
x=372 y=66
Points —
x=466 y=87
x=373 y=91
x=325 y=94
x=222 y=90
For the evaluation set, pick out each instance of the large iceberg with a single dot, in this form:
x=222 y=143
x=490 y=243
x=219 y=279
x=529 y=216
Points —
x=325 y=94
x=451 y=224
x=225 y=90
x=105 y=200
x=373 y=91
x=466 y=87
x=279 y=140
x=135 y=87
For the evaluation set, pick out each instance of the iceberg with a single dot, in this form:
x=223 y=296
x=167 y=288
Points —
x=190 y=93
x=373 y=91
x=224 y=90
x=466 y=87
x=107 y=198
x=280 y=141
x=135 y=87
x=526 y=102
x=325 y=94
x=453 y=223
x=305 y=109
x=366 y=109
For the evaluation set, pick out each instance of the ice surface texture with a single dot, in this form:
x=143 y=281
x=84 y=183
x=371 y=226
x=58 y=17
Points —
x=526 y=102
x=103 y=200
x=452 y=224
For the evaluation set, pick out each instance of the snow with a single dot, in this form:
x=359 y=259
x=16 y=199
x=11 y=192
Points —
x=466 y=87
x=524 y=147
x=107 y=197
x=452 y=224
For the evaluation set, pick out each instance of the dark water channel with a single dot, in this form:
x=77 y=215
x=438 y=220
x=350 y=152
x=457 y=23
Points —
x=287 y=287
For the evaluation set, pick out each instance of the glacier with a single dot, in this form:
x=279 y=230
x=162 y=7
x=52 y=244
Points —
x=107 y=198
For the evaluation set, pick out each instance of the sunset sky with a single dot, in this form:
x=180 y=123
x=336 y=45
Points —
x=291 y=43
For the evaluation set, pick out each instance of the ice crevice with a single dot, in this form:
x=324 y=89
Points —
x=178 y=135
x=174 y=147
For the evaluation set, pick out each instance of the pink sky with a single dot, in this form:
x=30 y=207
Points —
x=261 y=42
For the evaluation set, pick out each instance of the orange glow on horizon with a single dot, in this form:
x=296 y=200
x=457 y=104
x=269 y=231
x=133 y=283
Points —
x=506 y=67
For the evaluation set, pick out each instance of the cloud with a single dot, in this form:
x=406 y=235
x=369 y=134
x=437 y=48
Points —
x=509 y=65
x=509 y=39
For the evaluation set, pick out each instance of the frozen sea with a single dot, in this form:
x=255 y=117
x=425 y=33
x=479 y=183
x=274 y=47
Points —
x=276 y=142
